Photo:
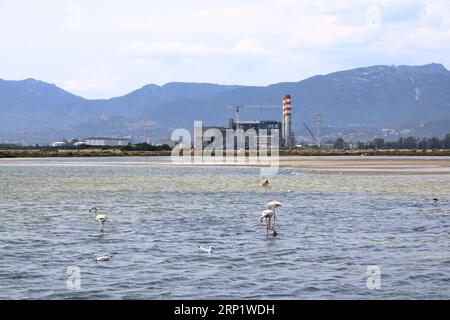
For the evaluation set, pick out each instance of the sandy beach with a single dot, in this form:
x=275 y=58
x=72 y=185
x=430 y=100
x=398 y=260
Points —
x=348 y=165
x=314 y=165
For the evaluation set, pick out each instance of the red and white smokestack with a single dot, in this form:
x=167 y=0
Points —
x=287 y=119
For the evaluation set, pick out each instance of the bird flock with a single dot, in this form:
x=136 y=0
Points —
x=268 y=216
x=102 y=219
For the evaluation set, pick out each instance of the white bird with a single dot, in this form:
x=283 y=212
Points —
x=209 y=250
x=272 y=205
x=268 y=214
x=103 y=258
x=264 y=183
x=102 y=218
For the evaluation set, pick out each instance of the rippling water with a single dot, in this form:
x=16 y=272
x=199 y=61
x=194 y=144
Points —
x=331 y=228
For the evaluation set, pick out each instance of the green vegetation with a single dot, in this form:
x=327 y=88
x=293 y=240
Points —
x=357 y=152
x=406 y=143
x=378 y=147
x=145 y=147
x=141 y=149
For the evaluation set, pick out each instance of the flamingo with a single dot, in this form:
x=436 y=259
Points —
x=268 y=214
x=272 y=205
x=102 y=218
x=264 y=183
x=209 y=250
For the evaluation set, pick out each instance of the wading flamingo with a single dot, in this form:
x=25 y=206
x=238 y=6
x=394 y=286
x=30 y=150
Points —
x=272 y=205
x=268 y=214
x=102 y=218
x=264 y=183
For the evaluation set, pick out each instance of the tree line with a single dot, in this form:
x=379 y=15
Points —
x=130 y=147
x=402 y=143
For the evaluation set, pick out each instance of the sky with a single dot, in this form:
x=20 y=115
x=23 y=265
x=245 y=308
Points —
x=102 y=49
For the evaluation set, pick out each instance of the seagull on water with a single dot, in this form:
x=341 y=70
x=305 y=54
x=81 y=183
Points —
x=103 y=258
x=208 y=250
x=268 y=214
x=102 y=218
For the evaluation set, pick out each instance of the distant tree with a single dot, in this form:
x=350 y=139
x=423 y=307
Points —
x=378 y=143
x=361 y=145
x=410 y=143
x=423 y=144
x=434 y=143
x=128 y=147
x=339 y=143
x=446 y=141
x=401 y=143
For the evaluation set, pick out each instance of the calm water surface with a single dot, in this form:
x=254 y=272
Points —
x=330 y=229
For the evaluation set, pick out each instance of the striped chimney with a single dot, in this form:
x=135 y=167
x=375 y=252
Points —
x=287 y=121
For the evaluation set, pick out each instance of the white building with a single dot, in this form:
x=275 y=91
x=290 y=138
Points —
x=58 y=144
x=107 y=141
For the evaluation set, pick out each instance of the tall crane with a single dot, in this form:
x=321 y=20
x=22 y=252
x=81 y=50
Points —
x=248 y=106
x=237 y=109
x=310 y=132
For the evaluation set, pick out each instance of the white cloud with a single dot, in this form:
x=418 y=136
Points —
x=437 y=14
x=249 y=45
x=92 y=78
x=318 y=32
x=174 y=47
x=249 y=42
x=203 y=19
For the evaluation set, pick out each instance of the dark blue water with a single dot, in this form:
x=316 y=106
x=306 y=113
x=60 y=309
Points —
x=331 y=228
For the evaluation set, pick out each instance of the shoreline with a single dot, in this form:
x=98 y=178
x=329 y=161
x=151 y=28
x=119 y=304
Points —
x=331 y=165
x=68 y=153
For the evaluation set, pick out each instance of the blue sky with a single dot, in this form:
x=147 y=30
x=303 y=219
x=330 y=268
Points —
x=101 y=49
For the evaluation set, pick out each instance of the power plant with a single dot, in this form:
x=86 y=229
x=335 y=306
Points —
x=262 y=127
x=284 y=126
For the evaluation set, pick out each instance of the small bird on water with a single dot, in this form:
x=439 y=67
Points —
x=103 y=258
x=102 y=218
x=208 y=250
x=264 y=183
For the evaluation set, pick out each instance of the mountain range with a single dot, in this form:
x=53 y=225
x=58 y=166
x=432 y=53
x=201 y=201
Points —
x=358 y=104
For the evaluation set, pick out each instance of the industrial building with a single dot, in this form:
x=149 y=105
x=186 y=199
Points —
x=107 y=141
x=284 y=127
x=59 y=144
x=258 y=125
x=246 y=125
